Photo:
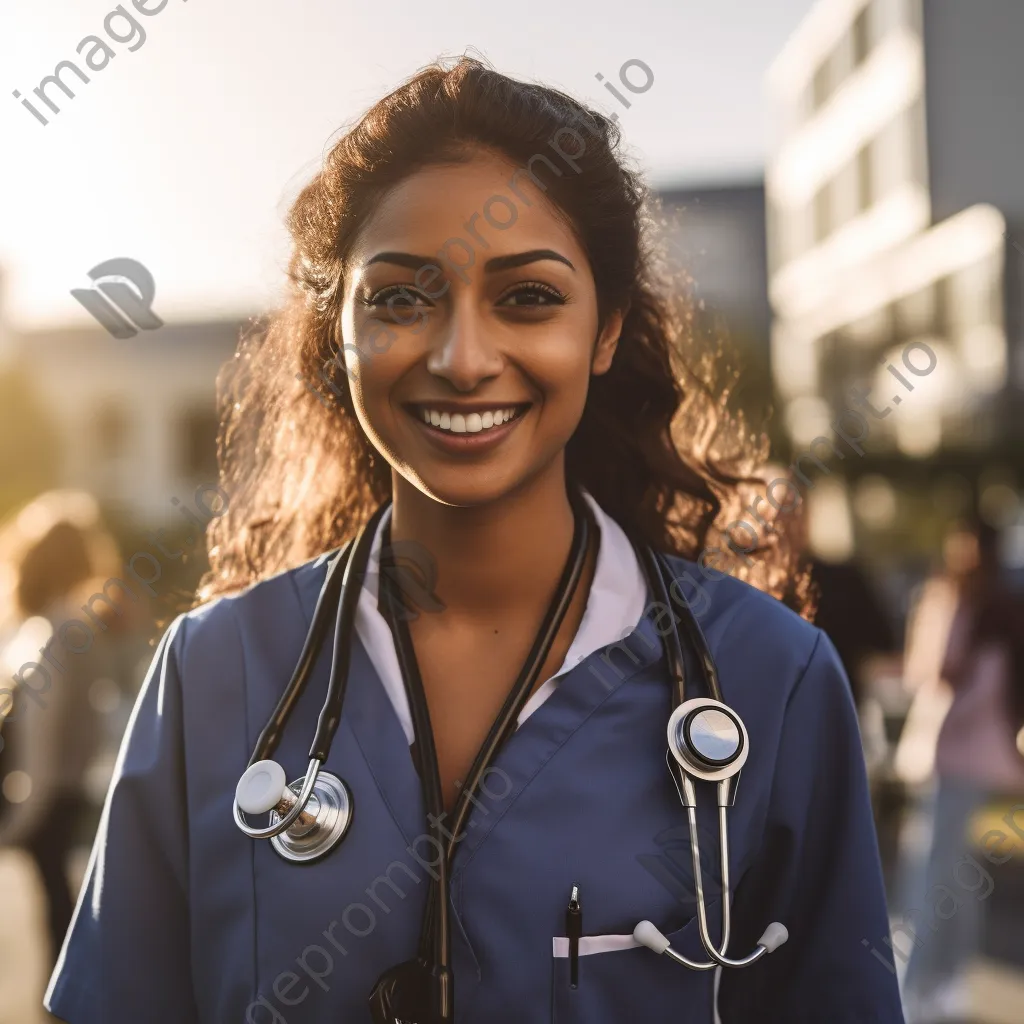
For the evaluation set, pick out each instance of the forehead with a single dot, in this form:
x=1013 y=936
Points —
x=469 y=201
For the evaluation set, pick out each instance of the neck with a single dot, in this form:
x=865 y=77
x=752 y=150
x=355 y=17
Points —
x=495 y=556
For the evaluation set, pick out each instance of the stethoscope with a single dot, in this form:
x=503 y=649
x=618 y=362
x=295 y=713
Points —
x=707 y=742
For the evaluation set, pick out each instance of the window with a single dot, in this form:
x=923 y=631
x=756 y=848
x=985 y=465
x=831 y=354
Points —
x=820 y=85
x=845 y=204
x=973 y=295
x=941 y=311
x=199 y=444
x=861 y=36
x=918 y=143
x=892 y=155
x=111 y=431
x=865 y=178
x=916 y=313
x=822 y=213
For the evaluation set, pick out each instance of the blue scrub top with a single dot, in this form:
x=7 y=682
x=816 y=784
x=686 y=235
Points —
x=183 y=919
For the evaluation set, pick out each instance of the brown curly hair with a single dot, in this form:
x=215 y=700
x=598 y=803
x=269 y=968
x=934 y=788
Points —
x=657 y=446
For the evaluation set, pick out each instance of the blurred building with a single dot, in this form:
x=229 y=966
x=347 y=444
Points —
x=135 y=418
x=717 y=232
x=895 y=200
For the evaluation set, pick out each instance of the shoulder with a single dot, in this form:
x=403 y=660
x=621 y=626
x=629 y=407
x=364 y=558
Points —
x=721 y=602
x=268 y=611
x=746 y=627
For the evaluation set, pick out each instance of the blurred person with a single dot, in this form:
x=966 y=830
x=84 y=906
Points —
x=965 y=654
x=539 y=426
x=855 y=619
x=56 y=553
x=852 y=614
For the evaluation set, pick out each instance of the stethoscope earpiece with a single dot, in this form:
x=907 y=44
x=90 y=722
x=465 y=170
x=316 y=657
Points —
x=308 y=818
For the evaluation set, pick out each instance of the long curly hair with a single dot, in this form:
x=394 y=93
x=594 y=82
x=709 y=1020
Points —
x=657 y=445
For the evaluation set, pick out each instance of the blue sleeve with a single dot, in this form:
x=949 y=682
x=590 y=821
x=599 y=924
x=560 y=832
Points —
x=818 y=872
x=126 y=956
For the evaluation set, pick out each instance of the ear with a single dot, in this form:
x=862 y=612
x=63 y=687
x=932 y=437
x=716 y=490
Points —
x=607 y=342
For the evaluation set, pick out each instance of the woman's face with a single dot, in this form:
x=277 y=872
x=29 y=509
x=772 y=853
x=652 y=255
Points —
x=469 y=346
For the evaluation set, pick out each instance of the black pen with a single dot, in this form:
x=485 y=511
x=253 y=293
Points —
x=574 y=929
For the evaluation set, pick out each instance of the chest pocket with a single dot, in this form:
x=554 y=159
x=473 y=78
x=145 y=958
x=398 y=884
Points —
x=633 y=982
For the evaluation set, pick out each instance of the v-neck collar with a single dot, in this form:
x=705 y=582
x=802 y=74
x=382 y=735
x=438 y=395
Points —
x=376 y=706
x=615 y=603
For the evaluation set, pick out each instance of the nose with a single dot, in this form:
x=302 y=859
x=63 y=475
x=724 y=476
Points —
x=464 y=352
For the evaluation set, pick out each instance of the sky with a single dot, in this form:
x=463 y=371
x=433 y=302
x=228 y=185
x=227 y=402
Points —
x=185 y=149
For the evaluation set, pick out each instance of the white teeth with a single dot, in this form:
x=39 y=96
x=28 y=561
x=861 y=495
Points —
x=471 y=423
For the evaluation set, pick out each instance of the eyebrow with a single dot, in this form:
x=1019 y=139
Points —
x=520 y=259
x=496 y=263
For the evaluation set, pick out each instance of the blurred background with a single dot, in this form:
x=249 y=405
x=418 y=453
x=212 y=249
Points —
x=843 y=185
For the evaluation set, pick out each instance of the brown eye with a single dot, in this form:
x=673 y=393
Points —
x=532 y=294
x=399 y=295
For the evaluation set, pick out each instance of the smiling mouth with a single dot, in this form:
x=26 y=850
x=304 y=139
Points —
x=479 y=420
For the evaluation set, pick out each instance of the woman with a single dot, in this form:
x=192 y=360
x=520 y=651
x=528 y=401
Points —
x=976 y=759
x=51 y=553
x=502 y=351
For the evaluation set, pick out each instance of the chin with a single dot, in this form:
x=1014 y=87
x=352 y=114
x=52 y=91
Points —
x=465 y=488
x=469 y=486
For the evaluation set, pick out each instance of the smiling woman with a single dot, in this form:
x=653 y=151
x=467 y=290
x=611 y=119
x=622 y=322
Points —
x=654 y=443
x=540 y=425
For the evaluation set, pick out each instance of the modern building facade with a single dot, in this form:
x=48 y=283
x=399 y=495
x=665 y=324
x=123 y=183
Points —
x=895 y=200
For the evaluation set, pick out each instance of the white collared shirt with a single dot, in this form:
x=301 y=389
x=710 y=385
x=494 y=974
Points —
x=615 y=604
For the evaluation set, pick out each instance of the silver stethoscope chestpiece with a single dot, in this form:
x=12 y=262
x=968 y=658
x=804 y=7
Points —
x=713 y=736
x=328 y=814
x=708 y=739
x=307 y=818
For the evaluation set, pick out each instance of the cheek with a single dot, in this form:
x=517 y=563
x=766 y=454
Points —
x=366 y=339
x=561 y=367
x=372 y=353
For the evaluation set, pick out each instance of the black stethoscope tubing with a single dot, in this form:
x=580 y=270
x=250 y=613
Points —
x=655 y=570
x=347 y=564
